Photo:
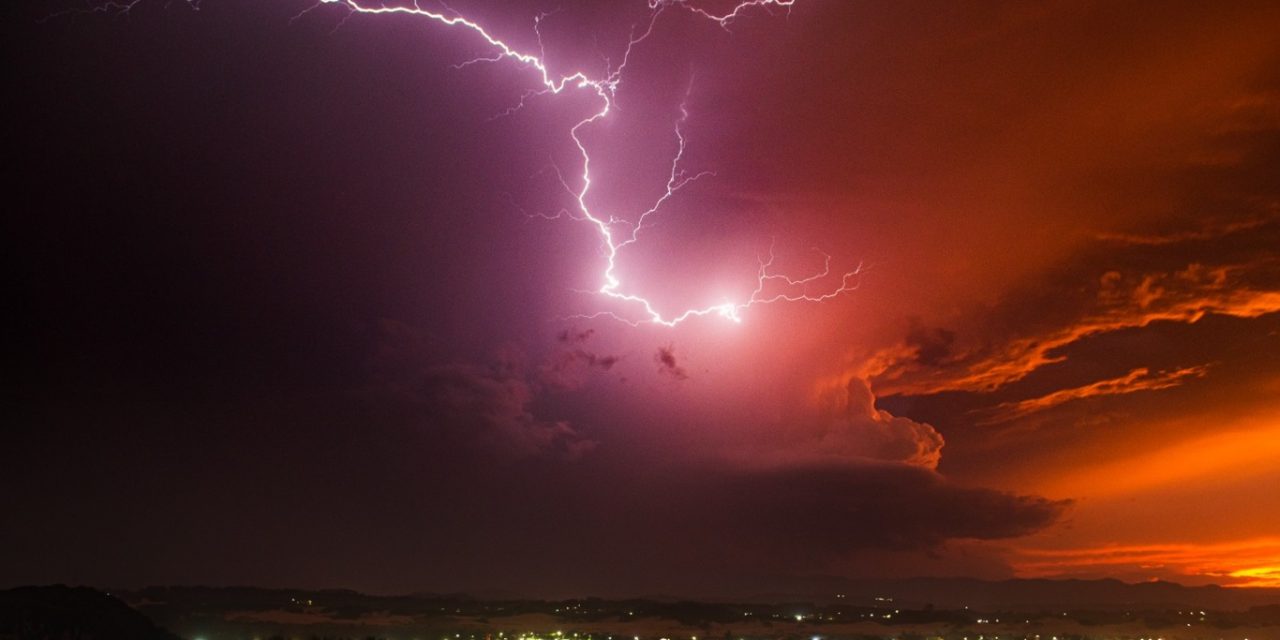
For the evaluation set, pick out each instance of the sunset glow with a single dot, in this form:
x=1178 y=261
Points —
x=542 y=301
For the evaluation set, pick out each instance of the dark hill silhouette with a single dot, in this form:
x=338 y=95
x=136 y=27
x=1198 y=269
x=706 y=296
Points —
x=943 y=593
x=58 y=611
x=1019 y=594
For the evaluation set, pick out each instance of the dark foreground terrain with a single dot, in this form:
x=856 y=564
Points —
x=923 y=609
x=78 y=613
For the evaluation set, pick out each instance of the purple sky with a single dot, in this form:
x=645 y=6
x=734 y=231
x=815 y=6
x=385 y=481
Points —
x=290 y=310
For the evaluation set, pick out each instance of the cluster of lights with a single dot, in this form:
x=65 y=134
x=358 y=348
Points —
x=560 y=635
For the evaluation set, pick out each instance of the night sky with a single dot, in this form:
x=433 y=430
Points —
x=297 y=298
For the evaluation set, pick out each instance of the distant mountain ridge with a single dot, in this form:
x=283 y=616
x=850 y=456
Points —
x=1025 y=594
x=910 y=593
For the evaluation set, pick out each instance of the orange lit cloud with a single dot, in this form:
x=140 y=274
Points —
x=1242 y=563
x=1141 y=379
x=849 y=428
x=1207 y=232
x=1121 y=302
x=1259 y=576
x=857 y=428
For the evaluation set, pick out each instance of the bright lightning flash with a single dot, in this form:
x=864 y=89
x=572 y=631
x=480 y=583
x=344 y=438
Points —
x=605 y=88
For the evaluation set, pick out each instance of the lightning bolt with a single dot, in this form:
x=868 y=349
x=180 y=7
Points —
x=616 y=234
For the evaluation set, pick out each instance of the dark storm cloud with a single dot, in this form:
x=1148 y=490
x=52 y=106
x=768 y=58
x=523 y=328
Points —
x=575 y=336
x=498 y=401
x=829 y=510
x=715 y=524
x=711 y=523
x=488 y=406
x=1210 y=230
x=572 y=368
x=852 y=478
x=667 y=364
x=931 y=345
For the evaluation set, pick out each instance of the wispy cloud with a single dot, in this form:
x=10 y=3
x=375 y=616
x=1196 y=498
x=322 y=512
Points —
x=1141 y=379
x=1207 y=232
x=1122 y=301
